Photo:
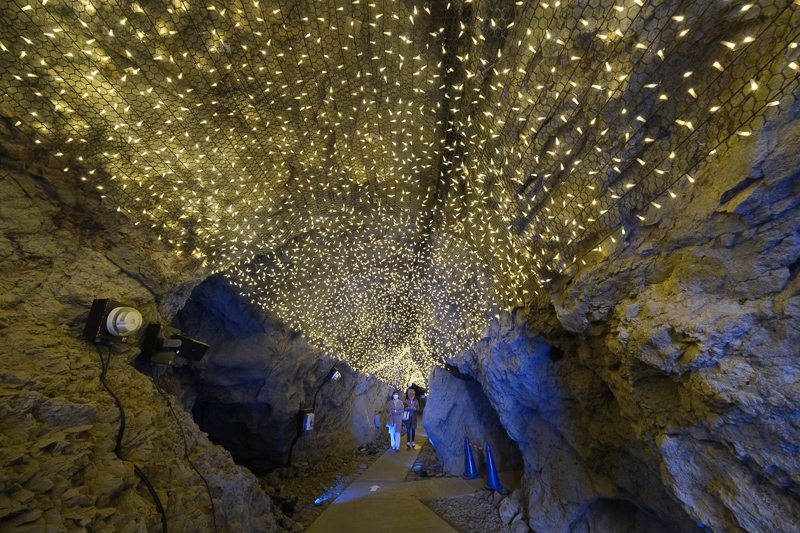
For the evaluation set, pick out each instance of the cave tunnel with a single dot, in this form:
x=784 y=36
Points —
x=232 y=229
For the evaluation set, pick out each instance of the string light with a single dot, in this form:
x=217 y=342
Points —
x=385 y=177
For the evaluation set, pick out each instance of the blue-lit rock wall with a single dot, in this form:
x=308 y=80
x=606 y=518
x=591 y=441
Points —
x=582 y=461
x=460 y=408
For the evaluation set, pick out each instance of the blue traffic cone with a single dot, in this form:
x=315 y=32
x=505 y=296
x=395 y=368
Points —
x=470 y=471
x=492 y=479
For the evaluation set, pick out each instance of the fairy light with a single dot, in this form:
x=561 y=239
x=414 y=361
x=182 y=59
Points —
x=386 y=178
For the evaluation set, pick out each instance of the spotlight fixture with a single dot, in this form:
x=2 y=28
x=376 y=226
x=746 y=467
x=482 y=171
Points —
x=110 y=321
x=162 y=344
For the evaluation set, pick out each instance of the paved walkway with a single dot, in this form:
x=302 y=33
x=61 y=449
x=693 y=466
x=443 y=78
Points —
x=380 y=501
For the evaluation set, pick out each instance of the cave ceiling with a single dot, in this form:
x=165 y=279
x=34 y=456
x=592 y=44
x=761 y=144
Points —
x=386 y=175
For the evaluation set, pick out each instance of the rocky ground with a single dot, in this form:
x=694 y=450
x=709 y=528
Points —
x=426 y=465
x=482 y=512
x=296 y=490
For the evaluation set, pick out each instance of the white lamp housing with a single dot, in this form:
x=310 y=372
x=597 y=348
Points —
x=124 y=321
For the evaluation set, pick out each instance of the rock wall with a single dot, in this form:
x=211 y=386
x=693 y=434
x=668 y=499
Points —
x=582 y=459
x=248 y=390
x=61 y=246
x=460 y=408
x=692 y=325
x=663 y=374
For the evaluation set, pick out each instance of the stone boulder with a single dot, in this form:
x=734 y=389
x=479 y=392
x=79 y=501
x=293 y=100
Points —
x=508 y=510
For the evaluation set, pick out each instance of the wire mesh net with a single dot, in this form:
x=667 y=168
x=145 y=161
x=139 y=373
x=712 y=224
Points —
x=385 y=175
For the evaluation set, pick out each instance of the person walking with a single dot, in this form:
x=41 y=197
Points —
x=395 y=408
x=411 y=407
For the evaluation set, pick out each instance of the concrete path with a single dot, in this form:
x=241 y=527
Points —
x=381 y=501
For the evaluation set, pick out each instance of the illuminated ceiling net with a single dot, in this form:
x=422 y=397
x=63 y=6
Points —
x=385 y=175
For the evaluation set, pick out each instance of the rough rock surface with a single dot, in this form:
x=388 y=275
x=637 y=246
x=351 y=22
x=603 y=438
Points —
x=59 y=249
x=565 y=421
x=257 y=376
x=57 y=436
x=658 y=386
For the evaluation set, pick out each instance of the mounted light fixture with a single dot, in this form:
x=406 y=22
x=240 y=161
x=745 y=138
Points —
x=162 y=344
x=110 y=321
x=307 y=413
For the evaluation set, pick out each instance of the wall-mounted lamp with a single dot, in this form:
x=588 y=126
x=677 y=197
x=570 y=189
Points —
x=162 y=344
x=307 y=414
x=110 y=321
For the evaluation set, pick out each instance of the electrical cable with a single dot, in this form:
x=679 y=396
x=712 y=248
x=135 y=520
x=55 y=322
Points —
x=296 y=438
x=121 y=432
x=186 y=450
x=104 y=370
x=324 y=381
